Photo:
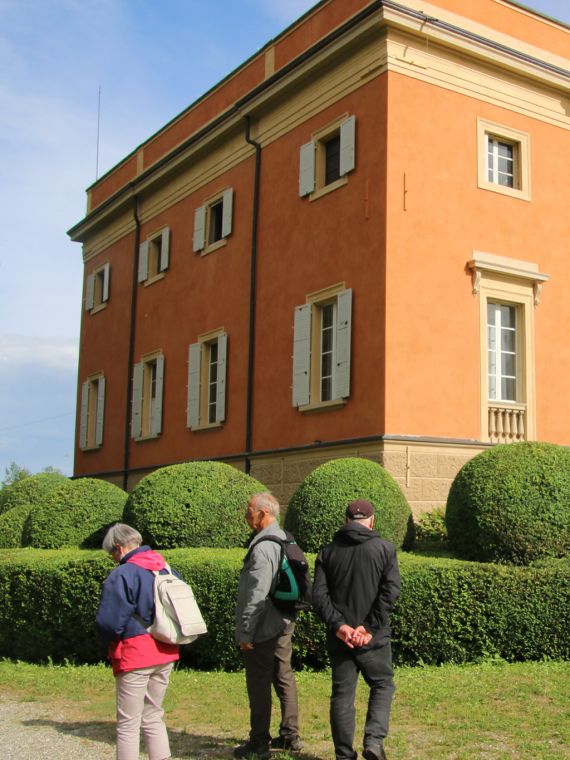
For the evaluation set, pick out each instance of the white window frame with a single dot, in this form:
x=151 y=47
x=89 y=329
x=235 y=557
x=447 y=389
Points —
x=148 y=392
x=92 y=413
x=307 y=390
x=154 y=256
x=312 y=158
x=489 y=136
x=200 y=406
x=203 y=241
x=499 y=353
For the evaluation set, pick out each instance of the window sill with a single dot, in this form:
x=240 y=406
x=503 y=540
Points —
x=213 y=247
x=85 y=449
x=99 y=307
x=208 y=426
x=511 y=192
x=323 y=406
x=326 y=189
x=148 y=437
x=155 y=278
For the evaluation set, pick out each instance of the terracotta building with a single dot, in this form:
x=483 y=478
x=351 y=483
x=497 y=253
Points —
x=358 y=243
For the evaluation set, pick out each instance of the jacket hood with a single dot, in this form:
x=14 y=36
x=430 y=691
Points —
x=354 y=533
x=146 y=558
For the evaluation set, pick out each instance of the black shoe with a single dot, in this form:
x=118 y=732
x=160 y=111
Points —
x=376 y=753
x=292 y=743
x=251 y=751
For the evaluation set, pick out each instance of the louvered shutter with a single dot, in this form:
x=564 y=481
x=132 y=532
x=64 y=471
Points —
x=106 y=282
x=83 y=416
x=227 y=212
x=143 y=261
x=307 y=169
x=100 y=411
x=347 y=145
x=193 y=411
x=136 y=416
x=343 y=329
x=90 y=292
x=165 y=250
x=199 y=229
x=156 y=408
x=221 y=384
x=302 y=355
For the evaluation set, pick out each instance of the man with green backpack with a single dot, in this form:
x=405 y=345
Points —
x=264 y=631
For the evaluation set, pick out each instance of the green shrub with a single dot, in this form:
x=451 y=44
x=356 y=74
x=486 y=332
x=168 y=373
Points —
x=12 y=525
x=193 y=504
x=76 y=514
x=317 y=508
x=449 y=611
x=430 y=527
x=511 y=504
x=32 y=490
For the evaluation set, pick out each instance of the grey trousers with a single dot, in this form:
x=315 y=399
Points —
x=140 y=694
x=376 y=668
x=269 y=664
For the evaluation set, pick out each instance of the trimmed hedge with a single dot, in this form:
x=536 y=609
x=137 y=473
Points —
x=77 y=513
x=317 y=508
x=12 y=525
x=511 y=504
x=450 y=610
x=192 y=504
x=31 y=490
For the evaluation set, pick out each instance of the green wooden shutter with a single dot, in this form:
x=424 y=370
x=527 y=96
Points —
x=199 y=241
x=227 y=212
x=156 y=408
x=193 y=411
x=83 y=416
x=165 y=249
x=343 y=329
x=100 y=411
x=90 y=292
x=302 y=355
x=136 y=416
x=347 y=145
x=221 y=385
x=143 y=261
x=307 y=168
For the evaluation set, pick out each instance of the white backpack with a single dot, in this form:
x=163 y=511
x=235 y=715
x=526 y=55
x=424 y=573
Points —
x=177 y=617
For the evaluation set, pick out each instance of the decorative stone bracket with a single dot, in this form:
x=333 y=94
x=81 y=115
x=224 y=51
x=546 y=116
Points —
x=490 y=264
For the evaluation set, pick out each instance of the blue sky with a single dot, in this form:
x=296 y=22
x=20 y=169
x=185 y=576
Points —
x=151 y=58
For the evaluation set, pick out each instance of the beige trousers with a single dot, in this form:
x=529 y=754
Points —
x=139 y=705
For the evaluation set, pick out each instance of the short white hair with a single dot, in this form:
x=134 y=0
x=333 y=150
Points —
x=122 y=535
x=265 y=500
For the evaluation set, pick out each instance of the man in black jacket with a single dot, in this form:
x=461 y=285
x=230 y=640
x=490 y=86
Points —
x=357 y=581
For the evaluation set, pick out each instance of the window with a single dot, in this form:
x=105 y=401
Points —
x=148 y=380
x=321 y=350
x=503 y=160
x=97 y=288
x=207 y=360
x=509 y=291
x=325 y=161
x=154 y=256
x=92 y=412
x=213 y=222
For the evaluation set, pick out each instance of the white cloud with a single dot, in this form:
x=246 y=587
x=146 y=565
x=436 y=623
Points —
x=17 y=351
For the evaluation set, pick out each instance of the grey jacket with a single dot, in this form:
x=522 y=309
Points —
x=257 y=618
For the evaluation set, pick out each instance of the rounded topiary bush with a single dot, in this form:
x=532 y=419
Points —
x=317 y=509
x=511 y=504
x=32 y=490
x=12 y=525
x=192 y=504
x=76 y=514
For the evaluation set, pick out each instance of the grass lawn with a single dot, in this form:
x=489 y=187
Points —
x=492 y=711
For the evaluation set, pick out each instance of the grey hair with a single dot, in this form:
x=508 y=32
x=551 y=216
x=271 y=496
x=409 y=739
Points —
x=121 y=535
x=265 y=500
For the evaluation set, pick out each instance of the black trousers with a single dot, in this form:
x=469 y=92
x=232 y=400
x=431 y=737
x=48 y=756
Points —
x=269 y=664
x=375 y=664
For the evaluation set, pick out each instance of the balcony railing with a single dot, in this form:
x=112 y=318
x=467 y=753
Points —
x=507 y=422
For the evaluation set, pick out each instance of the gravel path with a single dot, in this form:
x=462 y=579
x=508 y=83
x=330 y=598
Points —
x=34 y=731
